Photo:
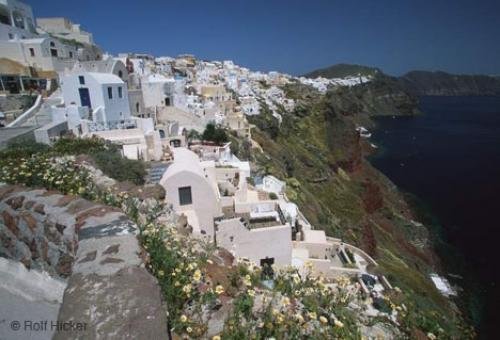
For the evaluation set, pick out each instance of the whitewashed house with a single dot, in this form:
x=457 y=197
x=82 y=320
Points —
x=105 y=94
x=158 y=90
x=116 y=66
x=16 y=20
x=42 y=53
x=217 y=202
x=20 y=42
x=191 y=189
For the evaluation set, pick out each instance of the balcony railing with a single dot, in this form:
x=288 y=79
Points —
x=112 y=125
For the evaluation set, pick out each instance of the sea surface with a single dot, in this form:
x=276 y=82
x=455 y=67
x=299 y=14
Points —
x=449 y=158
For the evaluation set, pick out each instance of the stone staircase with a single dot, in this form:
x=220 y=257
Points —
x=44 y=116
x=156 y=172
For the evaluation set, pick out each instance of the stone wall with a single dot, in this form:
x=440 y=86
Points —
x=109 y=292
x=37 y=228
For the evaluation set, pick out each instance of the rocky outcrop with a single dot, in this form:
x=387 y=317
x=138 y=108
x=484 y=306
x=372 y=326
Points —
x=109 y=292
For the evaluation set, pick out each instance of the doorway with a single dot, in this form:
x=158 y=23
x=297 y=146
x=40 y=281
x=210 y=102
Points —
x=85 y=97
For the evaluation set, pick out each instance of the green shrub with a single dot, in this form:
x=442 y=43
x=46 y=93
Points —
x=116 y=166
x=78 y=146
x=23 y=147
x=106 y=155
x=215 y=134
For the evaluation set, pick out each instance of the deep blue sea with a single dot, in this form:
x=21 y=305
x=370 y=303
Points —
x=449 y=157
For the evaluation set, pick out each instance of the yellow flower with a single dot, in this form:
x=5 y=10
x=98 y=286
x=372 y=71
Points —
x=161 y=273
x=197 y=275
x=219 y=289
x=247 y=281
x=189 y=329
x=339 y=323
x=183 y=318
x=251 y=292
x=216 y=337
x=186 y=288
x=323 y=319
x=299 y=317
x=431 y=336
x=312 y=315
x=280 y=318
x=286 y=301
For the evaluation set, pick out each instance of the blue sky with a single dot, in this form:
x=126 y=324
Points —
x=297 y=36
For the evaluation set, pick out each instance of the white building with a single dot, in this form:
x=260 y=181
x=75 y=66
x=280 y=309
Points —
x=217 y=202
x=263 y=245
x=272 y=184
x=16 y=20
x=64 y=28
x=157 y=90
x=42 y=53
x=191 y=189
x=108 y=64
x=105 y=94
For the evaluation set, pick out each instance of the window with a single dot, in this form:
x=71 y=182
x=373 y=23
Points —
x=81 y=79
x=137 y=107
x=4 y=15
x=120 y=74
x=11 y=36
x=18 y=20
x=120 y=92
x=185 y=197
x=32 y=52
x=53 y=52
x=110 y=92
x=52 y=44
x=71 y=55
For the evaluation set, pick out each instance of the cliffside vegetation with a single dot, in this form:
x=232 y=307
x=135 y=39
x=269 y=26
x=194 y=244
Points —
x=321 y=156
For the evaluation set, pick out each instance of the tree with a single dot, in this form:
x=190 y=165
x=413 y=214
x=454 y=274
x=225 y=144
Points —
x=215 y=134
x=192 y=135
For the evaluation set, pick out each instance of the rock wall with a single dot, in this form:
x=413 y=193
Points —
x=109 y=292
x=37 y=228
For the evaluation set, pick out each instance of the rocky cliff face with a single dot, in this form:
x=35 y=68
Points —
x=422 y=83
x=381 y=96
